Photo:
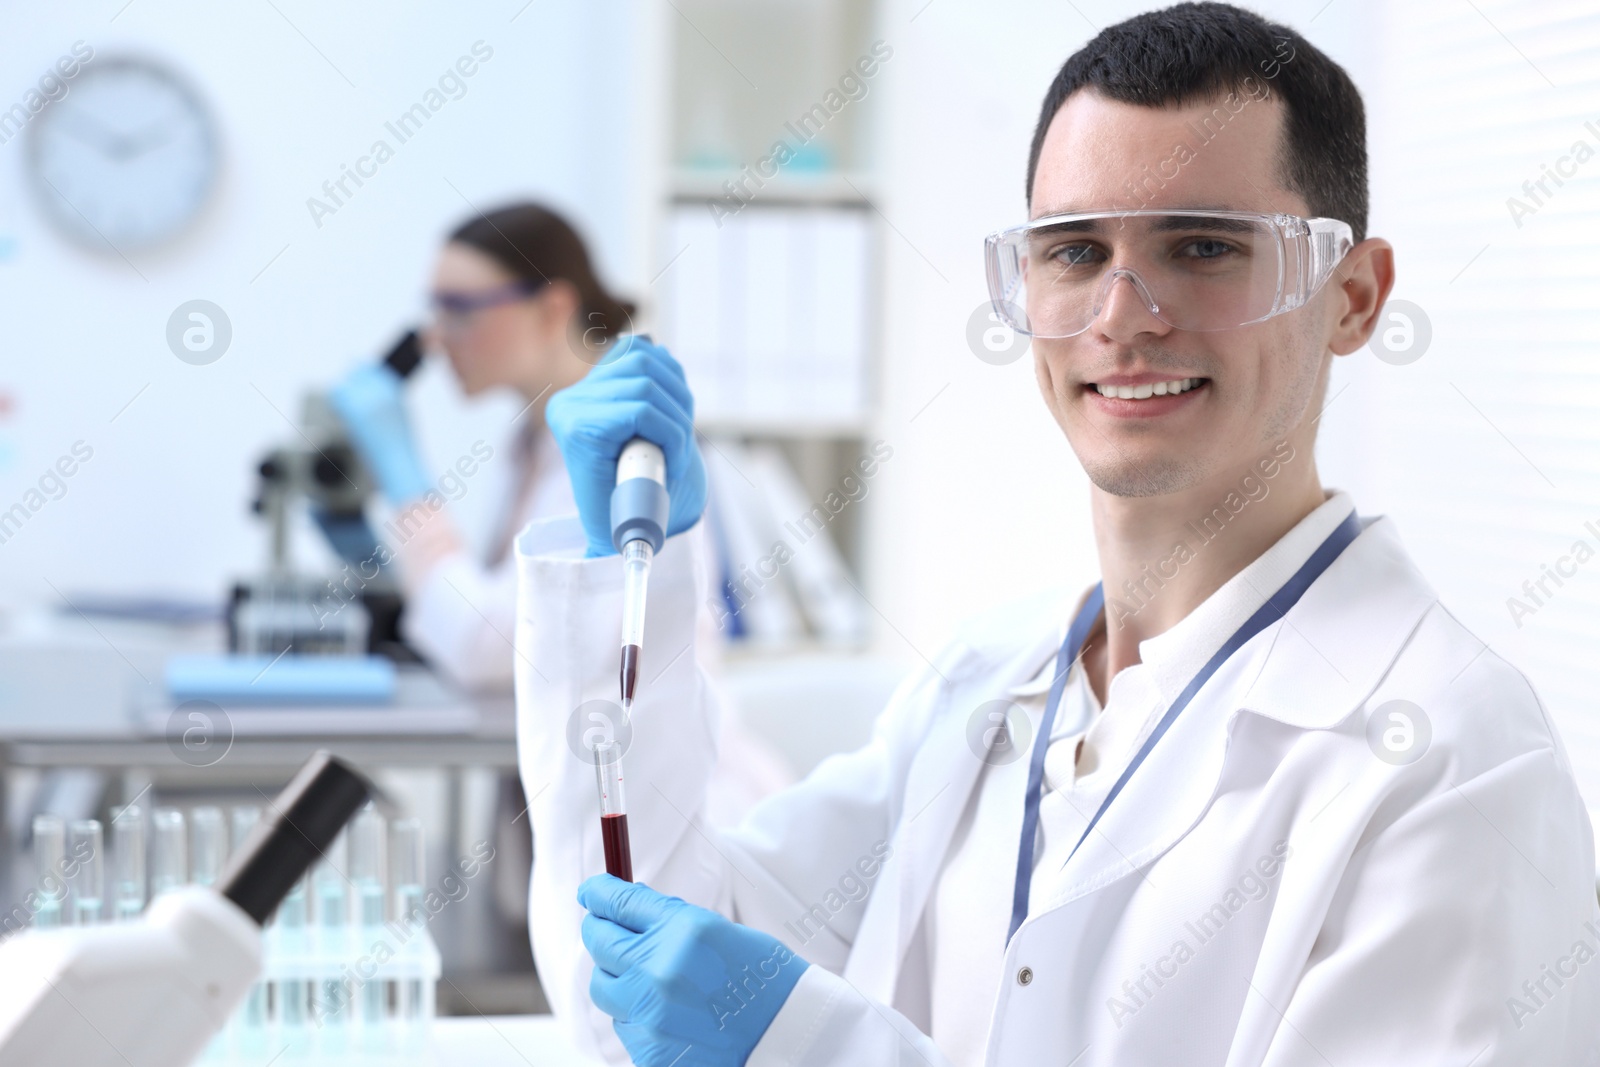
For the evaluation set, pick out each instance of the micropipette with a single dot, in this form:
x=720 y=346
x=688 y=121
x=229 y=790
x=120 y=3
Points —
x=639 y=507
x=638 y=527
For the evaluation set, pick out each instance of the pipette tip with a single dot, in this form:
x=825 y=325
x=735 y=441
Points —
x=630 y=674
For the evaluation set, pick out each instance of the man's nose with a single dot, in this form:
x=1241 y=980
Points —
x=1125 y=307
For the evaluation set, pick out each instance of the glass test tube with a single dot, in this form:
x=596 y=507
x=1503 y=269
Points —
x=368 y=841
x=406 y=876
x=328 y=885
x=332 y=939
x=405 y=870
x=613 y=809
x=49 y=862
x=169 y=850
x=290 y=930
x=251 y=1018
x=367 y=848
x=127 y=862
x=87 y=850
x=208 y=845
x=244 y=821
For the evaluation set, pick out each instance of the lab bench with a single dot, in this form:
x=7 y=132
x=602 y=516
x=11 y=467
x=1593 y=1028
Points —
x=505 y=1041
x=85 y=726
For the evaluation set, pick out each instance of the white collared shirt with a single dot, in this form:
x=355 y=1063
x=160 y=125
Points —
x=963 y=933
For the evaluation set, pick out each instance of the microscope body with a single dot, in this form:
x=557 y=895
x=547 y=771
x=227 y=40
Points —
x=150 y=993
x=154 y=991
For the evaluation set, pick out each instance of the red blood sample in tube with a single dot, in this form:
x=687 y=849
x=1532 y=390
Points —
x=619 y=858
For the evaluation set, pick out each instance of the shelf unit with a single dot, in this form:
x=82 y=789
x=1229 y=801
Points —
x=742 y=77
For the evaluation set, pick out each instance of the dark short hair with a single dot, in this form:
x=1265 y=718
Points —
x=1200 y=51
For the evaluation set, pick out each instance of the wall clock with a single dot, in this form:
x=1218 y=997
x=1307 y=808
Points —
x=128 y=157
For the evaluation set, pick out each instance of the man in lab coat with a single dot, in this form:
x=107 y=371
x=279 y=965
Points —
x=1286 y=811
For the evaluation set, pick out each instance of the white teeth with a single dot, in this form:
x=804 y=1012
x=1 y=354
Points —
x=1140 y=392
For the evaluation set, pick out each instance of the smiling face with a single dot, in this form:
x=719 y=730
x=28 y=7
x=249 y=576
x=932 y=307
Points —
x=1256 y=383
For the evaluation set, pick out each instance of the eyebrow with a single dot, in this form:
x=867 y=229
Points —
x=1176 y=221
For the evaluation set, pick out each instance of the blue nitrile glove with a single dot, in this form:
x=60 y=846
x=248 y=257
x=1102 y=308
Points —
x=683 y=985
x=370 y=401
x=640 y=392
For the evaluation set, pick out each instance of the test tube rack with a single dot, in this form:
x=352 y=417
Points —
x=360 y=997
x=349 y=970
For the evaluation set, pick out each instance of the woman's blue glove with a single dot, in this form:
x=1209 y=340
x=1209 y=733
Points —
x=638 y=392
x=683 y=985
x=371 y=404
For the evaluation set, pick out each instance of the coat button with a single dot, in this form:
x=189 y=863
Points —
x=1025 y=976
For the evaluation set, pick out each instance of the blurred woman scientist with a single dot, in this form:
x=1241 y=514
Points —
x=517 y=305
x=1256 y=798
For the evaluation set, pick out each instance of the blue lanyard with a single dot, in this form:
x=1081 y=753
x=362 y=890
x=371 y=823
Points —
x=1273 y=610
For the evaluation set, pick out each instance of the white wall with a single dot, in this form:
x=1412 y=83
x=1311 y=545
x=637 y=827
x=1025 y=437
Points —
x=162 y=505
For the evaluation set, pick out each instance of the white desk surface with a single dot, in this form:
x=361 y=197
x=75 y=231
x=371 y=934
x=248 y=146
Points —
x=504 y=1041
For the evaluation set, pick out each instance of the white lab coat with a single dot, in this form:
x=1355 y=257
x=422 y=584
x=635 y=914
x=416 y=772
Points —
x=1410 y=905
x=461 y=611
x=460 y=614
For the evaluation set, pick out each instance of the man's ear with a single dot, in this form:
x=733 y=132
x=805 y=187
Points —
x=1362 y=280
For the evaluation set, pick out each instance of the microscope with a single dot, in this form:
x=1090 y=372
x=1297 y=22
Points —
x=354 y=612
x=153 y=992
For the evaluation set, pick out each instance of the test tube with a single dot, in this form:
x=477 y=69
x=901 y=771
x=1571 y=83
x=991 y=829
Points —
x=86 y=849
x=367 y=847
x=169 y=850
x=127 y=862
x=244 y=820
x=406 y=866
x=328 y=883
x=251 y=1020
x=613 y=809
x=368 y=838
x=49 y=861
x=208 y=845
x=291 y=934
x=332 y=940
x=405 y=872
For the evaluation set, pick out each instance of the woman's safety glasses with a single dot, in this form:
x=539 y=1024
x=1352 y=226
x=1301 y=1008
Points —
x=1193 y=270
x=456 y=310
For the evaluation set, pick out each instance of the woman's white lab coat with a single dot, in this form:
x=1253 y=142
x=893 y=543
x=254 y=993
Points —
x=460 y=610
x=1266 y=891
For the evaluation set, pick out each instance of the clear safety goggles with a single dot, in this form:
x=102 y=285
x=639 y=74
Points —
x=1193 y=270
x=456 y=310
